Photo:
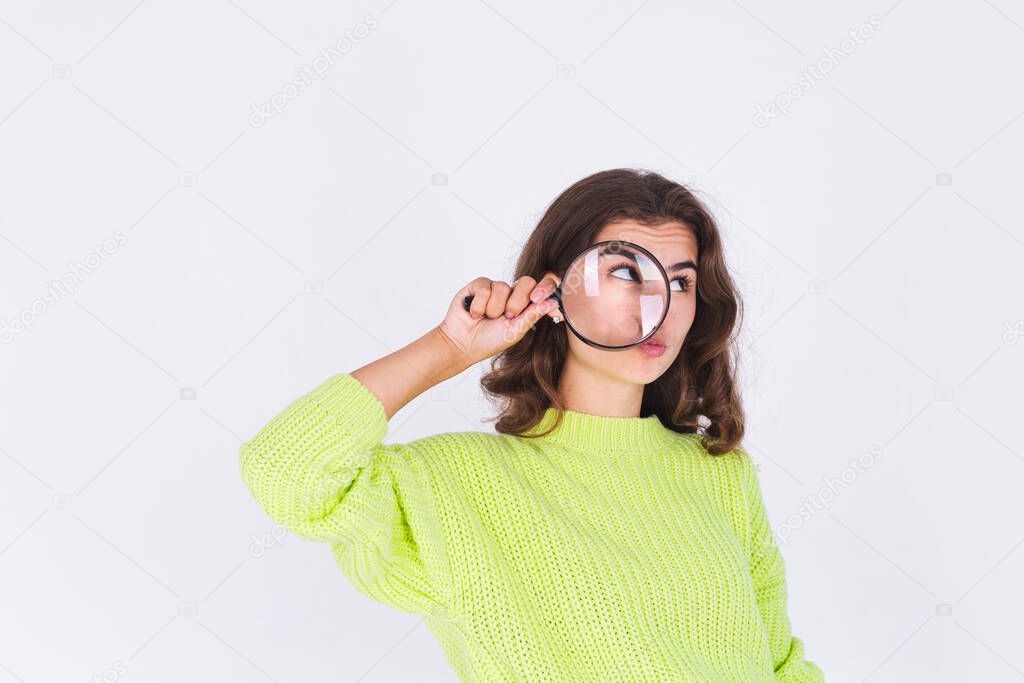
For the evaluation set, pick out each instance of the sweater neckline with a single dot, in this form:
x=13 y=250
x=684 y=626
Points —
x=586 y=431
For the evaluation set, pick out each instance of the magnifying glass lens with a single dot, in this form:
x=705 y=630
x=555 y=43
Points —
x=614 y=295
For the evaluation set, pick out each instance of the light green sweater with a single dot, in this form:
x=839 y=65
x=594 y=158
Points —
x=612 y=550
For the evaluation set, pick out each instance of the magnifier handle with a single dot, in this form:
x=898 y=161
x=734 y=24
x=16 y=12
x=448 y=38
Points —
x=468 y=299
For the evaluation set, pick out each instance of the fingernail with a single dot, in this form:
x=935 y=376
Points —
x=537 y=294
x=508 y=314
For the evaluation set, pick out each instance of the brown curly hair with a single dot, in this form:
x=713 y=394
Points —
x=699 y=387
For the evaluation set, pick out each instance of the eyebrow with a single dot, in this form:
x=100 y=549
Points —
x=683 y=265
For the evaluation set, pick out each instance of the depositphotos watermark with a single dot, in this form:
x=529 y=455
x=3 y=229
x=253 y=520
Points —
x=815 y=72
x=823 y=497
x=260 y=544
x=307 y=73
x=111 y=674
x=64 y=285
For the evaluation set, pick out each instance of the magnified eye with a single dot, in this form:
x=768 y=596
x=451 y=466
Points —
x=630 y=273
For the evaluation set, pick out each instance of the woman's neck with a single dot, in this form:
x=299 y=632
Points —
x=585 y=390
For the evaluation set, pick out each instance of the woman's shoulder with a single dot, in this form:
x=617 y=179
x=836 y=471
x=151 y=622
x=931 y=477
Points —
x=455 y=441
x=732 y=467
x=451 y=446
x=698 y=445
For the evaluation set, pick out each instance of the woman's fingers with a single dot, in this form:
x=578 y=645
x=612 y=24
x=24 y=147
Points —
x=495 y=298
x=480 y=290
x=499 y=297
x=520 y=297
x=543 y=289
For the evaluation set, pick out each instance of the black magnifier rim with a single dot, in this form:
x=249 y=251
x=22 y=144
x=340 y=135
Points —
x=654 y=330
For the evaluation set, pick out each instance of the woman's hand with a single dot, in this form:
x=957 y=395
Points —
x=499 y=315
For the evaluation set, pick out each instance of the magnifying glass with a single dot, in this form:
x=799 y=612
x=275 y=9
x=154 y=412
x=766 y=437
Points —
x=613 y=295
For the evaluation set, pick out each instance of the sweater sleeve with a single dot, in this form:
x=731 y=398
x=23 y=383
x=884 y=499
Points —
x=319 y=470
x=769 y=576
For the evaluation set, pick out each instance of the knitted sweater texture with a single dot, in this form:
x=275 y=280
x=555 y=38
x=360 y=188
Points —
x=613 y=549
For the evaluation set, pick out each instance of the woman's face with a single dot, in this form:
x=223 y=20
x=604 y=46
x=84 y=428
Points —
x=671 y=243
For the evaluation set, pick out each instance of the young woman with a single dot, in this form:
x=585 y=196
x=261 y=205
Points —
x=612 y=529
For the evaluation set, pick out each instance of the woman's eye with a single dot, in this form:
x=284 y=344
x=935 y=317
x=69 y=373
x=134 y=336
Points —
x=631 y=274
x=682 y=282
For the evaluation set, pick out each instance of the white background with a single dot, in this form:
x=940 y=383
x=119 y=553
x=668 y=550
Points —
x=875 y=230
